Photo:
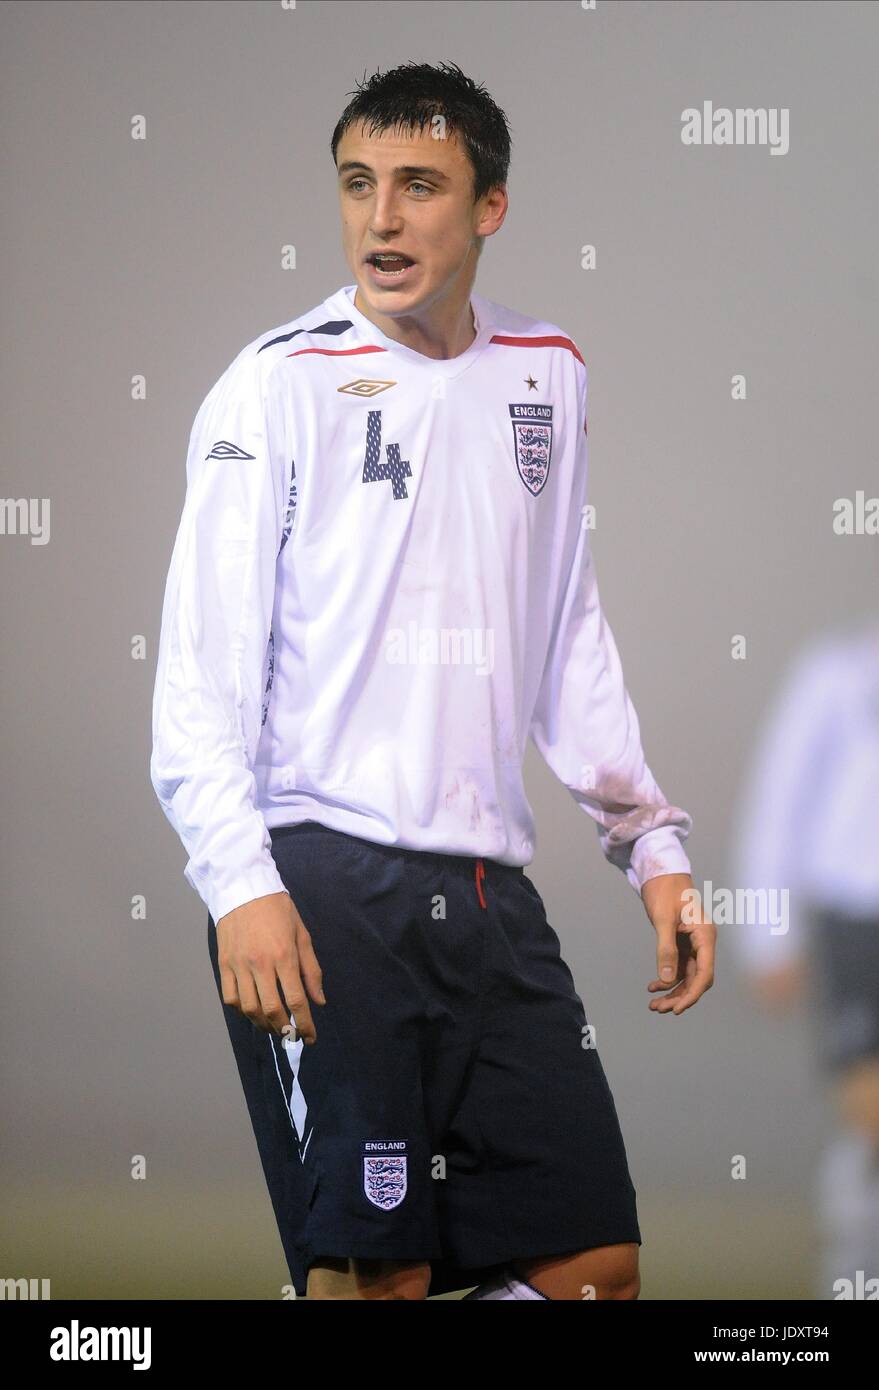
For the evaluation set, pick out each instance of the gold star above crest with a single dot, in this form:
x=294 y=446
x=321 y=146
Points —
x=531 y=383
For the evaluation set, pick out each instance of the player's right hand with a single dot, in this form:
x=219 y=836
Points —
x=264 y=944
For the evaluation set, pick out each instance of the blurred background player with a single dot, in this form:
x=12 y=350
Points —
x=809 y=822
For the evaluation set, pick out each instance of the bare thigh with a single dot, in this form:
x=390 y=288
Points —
x=348 y=1278
x=607 y=1271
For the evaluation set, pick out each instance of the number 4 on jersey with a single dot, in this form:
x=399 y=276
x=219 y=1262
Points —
x=374 y=471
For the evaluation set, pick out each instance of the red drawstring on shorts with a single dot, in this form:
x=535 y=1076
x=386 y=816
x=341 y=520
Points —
x=480 y=875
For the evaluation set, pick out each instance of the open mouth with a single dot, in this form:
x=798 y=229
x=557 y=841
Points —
x=389 y=265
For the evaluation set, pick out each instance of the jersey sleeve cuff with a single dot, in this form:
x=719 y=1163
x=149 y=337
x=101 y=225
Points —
x=258 y=883
x=656 y=852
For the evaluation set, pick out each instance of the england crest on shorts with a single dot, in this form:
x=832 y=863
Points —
x=532 y=440
x=384 y=1172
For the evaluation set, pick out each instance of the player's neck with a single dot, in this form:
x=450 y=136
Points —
x=445 y=329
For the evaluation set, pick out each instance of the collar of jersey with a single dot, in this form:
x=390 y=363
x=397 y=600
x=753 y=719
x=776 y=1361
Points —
x=437 y=366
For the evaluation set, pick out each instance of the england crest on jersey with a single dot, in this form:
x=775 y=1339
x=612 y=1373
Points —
x=384 y=1173
x=532 y=440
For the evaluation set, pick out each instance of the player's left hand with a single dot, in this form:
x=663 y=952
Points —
x=685 y=942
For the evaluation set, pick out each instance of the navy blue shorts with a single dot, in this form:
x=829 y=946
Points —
x=845 y=989
x=452 y=1109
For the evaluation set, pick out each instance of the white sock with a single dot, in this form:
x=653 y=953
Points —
x=505 y=1285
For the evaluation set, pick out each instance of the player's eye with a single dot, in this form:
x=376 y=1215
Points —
x=353 y=185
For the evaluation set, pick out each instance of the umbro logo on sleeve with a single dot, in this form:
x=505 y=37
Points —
x=224 y=450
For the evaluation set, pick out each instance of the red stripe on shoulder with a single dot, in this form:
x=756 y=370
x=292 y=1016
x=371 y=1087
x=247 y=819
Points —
x=338 y=352
x=551 y=340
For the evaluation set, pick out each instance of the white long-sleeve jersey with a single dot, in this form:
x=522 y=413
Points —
x=381 y=584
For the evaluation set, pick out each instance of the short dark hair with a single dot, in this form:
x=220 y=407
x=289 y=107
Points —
x=413 y=93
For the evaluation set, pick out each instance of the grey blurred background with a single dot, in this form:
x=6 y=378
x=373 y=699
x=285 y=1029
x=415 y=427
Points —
x=163 y=257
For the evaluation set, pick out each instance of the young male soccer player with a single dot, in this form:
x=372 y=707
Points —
x=381 y=586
